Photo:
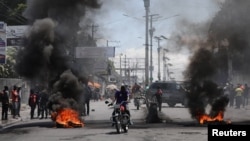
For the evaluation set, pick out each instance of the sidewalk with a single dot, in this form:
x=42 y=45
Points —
x=24 y=113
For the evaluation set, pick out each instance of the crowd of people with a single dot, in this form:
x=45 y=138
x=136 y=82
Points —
x=10 y=98
x=238 y=95
x=11 y=101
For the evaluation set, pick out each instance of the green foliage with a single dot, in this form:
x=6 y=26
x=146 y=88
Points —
x=11 y=12
x=7 y=69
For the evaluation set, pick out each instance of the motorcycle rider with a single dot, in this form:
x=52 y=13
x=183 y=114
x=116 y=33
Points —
x=122 y=95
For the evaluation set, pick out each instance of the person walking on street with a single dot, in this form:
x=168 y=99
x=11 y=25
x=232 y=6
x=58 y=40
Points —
x=5 y=102
x=38 y=103
x=32 y=103
x=245 y=95
x=232 y=95
x=136 y=90
x=158 y=96
x=15 y=101
x=43 y=99
x=19 y=91
x=88 y=96
x=238 y=97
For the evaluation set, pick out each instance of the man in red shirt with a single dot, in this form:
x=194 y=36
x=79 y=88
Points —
x=15 y=101
x=158 y=96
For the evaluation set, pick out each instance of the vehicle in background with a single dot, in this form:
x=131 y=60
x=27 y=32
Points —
x=173 y=92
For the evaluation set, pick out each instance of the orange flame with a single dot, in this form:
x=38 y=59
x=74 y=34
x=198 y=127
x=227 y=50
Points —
x=67 y=118
x=206 y=118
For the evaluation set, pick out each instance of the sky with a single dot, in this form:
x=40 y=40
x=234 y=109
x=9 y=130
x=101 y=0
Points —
x=121 y=23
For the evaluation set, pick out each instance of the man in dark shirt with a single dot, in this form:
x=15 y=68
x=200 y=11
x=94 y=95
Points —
x=122 y=96
x=5 y=102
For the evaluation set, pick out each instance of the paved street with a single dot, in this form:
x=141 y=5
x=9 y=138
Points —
x=100 y=113
x=177 y=125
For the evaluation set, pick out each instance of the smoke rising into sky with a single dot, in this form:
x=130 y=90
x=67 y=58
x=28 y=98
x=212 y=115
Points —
x=49 y=44
x=209 y=37
x=223 y=43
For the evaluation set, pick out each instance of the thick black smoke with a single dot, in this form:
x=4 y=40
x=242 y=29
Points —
x=231 y=31
x=203 y=90
x=220 y=54
x=226 y=48
x=48 y=52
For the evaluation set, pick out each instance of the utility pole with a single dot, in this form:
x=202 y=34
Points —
x=125 y=70
x=120 y=67
x=159 y=54
x=151 y=31
x=159 y=60
x=165 y=65
x=146 y=5
x=93 y=30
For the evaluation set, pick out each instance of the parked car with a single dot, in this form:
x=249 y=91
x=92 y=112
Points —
x=173 y=92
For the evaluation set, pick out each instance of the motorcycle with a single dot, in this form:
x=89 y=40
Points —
x=121 y=118
x=139 y=100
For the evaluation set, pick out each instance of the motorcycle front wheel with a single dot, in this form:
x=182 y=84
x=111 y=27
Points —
x=125 y=128
x=118 y=126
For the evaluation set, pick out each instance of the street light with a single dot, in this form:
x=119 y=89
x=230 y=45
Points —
x=120 y=67
x=120 y=64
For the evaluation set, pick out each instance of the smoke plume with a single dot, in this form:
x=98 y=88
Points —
x=220 y=54
x=47 y=56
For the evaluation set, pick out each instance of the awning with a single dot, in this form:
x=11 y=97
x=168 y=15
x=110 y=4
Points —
x=112 y=87
x=94 y=84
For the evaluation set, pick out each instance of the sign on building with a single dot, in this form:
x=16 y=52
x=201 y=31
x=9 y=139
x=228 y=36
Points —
x=2 y=42
x=94 y=52
x=15 y=35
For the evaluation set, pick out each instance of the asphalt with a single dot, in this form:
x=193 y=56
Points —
x=97 y=114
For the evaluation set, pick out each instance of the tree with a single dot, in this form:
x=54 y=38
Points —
x=7 y=69
x=11 y=12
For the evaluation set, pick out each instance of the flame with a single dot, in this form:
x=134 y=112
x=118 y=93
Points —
x=206 y=118
x=67 y=118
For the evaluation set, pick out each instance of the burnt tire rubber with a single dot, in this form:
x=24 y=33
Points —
x=170 y=104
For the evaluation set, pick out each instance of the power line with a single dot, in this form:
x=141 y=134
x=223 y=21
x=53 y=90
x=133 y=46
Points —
x=20 y=19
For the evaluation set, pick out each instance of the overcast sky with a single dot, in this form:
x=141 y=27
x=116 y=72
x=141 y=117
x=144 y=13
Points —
x=122 y=24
